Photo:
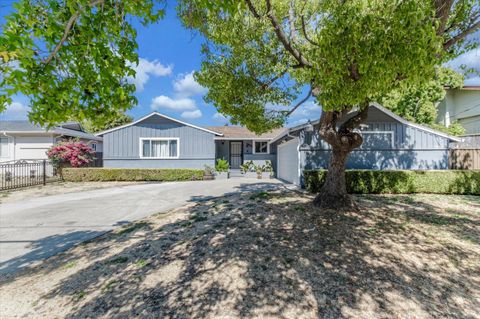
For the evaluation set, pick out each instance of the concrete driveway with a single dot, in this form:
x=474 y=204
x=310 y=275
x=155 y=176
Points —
x=34 y=229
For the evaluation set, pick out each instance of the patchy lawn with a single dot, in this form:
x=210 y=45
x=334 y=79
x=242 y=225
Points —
x=269 y=255
x=16 y=195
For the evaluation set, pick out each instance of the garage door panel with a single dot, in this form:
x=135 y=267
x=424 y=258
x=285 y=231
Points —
x=287 y=162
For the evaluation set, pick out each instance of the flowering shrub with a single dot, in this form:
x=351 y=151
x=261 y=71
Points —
x=75 y=153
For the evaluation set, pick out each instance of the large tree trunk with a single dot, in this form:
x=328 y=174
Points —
x=343 y=139
x=333 y=194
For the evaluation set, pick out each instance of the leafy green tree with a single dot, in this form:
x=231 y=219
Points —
x=419 y=103
x=72 y=58
x=120 y=119
x=346 y=54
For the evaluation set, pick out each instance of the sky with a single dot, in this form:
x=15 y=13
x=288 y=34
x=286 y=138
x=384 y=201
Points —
x=169 y=54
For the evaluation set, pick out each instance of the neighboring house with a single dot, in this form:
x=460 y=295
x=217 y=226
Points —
x=462 y=105
x=159 y=141
x=390 y=142
x=22 y=140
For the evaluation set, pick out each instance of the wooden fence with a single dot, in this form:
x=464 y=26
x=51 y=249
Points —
x=464 y=158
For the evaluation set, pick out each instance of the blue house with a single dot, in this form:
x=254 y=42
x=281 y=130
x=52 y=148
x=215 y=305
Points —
x=159 y=141
x=389 y=142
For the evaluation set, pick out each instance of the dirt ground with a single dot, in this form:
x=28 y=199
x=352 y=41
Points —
x=54 y=189
x=268 y=255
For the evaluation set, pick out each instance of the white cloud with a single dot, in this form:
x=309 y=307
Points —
x=145 y=69
x=181 y=104
x=16 y=111
x=192 y=114
x=186 y=86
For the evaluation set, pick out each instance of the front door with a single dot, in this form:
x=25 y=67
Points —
x=236 y=154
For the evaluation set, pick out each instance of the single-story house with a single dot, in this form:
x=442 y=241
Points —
x=462 y=105
x=159 y=141
x=389 y=142
x=22 y=140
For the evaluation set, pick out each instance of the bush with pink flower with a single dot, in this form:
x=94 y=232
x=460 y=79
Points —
x=71 y=153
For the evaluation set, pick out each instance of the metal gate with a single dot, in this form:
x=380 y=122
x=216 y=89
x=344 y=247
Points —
x=236 y=154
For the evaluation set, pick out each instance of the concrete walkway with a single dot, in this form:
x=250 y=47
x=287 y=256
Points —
x=31 y=230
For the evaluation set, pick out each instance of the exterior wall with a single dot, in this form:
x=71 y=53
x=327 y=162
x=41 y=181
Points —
x=388 y=144
x=223 y=151
x=121 y=148
x=156 y=163
x=463 y=106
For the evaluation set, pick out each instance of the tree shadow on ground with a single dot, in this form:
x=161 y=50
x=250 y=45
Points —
x=272 y=254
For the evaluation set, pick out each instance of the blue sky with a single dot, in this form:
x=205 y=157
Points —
x=168 y=56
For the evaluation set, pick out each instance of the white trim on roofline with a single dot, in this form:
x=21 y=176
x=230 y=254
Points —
x=384 y=110
x=161 y=115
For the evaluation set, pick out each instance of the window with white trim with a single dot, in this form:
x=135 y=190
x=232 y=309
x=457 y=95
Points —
x=3 y=147
x=159 y=147
x=93 y=146
x=261 y=147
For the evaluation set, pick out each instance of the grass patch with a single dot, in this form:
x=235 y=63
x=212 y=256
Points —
x=132 y=227
x=259 y=195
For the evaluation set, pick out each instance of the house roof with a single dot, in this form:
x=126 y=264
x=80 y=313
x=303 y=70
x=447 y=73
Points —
x=64 y=129
x=384 y=110
x=465 y=88
x=20 y=126
x=157 y=114
x=239 y=132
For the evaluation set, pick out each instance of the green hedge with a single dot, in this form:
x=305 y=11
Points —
x=99 y=174
x=402 y=182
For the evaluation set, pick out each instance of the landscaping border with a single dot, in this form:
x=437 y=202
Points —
x=401 y=181
x=99 y=174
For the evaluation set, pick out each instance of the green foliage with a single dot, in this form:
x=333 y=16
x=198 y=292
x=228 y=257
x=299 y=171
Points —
x=120 y=119
x=455 y=128
x=248 y=166
x=418 y=102
x=222 y=165
x=72 y=58
x=354 y=51
x=130 y=174
x=402 y=182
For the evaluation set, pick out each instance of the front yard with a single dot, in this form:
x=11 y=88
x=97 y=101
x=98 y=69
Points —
x=269 y=255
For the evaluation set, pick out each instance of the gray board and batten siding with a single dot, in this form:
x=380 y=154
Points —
x=390 y=143
x=122 y=145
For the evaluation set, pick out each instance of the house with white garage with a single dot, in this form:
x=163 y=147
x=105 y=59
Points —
x=160 y=141
x=389 y=142
x=22 y=140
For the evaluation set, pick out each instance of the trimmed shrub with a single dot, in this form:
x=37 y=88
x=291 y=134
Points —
x=98 y=174
x=402 y=181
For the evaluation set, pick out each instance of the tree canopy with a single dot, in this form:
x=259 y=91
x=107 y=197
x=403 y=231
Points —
x=72 y=58
x=262 y=53
x=118 y=120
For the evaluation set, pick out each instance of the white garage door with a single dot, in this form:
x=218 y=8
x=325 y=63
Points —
x=287 y=162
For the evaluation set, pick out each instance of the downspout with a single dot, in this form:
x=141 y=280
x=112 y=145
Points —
x=13 y=138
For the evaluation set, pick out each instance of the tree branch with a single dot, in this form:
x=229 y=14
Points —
x=300 y=103
x=66 y=32
x=291 y=19
x=282 y=37
x=459 y=37
x=304 y=29
x=442 y=13
x=353 y=122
